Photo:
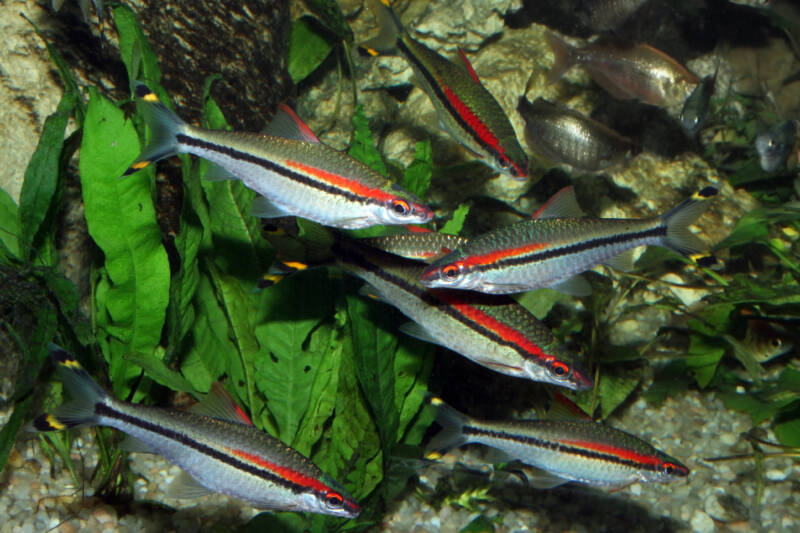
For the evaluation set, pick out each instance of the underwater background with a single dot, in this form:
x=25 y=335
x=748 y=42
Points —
x=153 y=281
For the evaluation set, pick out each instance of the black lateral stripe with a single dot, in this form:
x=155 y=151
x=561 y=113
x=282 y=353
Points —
x=107 y=411
x=622 y=238
x=556 y=446
x=430 y=299
x=266 y=164
x=443 y=99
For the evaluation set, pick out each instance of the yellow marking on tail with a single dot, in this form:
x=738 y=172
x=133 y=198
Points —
x=296 y=265
x=434 y=456
x=72 y=364
x=271 y=278
x=150 y=97
x=371 y=51
x=140 y=165
x=436 y=402
x=54 y=423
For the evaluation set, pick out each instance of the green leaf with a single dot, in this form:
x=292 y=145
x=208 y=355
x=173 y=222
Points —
x=703 y=357
x=668 y=381
x=362 y=146
x=374 y=349
x=43 y=173
x=787 y=430
x=754 y=226
x=330 y=15
x=613 y=388
x=307 y=49
x=287 y=366
x=456 y=222
x=139 y=59
x=480 y=524
x=121 y=219
x=9 y=225
x=156 y=370
x=9 y=431
x=417 y=178
x=413 y=361
x=540 y=301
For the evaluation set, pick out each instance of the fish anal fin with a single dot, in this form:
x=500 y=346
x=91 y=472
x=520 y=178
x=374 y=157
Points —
x=219 y=404
x=562 y=204
x=288 y=125
x=574 y=286
x=622 y=262
x=263 y=207
x=412 y=329
x=468 y=65
x=368 y=291
x=185 y=486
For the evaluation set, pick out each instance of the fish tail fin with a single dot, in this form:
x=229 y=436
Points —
x=678 y=219
x=164 y=127
x=564 y=56
x=85 y=393
x=452 y=422
x=390 y=28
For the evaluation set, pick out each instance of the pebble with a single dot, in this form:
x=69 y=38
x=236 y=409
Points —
x=777 y=475
x=702 y=523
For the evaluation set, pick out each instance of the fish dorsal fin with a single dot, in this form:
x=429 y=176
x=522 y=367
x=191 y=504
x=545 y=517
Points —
x=263 y=207
x=562 y=408
x=468 y=65
x=288 y=125
x=562 y=204
x=219 y=404
x=185 y=486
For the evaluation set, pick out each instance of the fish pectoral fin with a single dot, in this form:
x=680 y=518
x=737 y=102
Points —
x=288 y=125
x=562 y=204
x=220 y=405
x=412 y=329
x=574 y=286
x=134 y=445
x=264 y=208
x=503 y=368
x=622 y=262
x=504 y=288
x=185 y=486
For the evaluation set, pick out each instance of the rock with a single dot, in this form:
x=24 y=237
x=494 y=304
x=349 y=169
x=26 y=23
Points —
x=702 y=523
x=726 y=506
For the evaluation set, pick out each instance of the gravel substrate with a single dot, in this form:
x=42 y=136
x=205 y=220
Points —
x=716 y=497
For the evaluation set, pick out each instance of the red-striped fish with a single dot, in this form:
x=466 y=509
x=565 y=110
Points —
x=295 y=174
x=546 y=252
x=222 y=451
x=465 y=108
x=570 y=450
x=421 y=244
x=494 y=331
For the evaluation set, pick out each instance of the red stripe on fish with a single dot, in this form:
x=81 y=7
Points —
x=341 y=181
x=492 y=257
x=474 y=122
x=293 y=476
x=622 y=453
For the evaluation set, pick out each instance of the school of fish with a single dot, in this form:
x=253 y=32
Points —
x=453 y=289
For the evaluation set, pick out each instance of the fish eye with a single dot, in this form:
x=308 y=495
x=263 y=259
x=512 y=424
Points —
x=559 y=369
x=334 y=500
x=450 y=272
x=400 y=207
x=669 y=468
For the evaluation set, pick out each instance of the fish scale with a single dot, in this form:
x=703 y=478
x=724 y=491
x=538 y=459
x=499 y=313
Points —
x=230 y=456
x=572 y=450
x=494 y=331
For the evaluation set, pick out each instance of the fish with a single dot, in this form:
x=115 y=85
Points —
x=582 y=451
x=767 y=340
x=627 y=71
x=420 y=245
x=604 y=15
x=466 y=109
x=549 y=250
x=695 y=108
x=217 y=446
x=295 y=174
x=775 y=145
x=564 y=136
x=493 y=331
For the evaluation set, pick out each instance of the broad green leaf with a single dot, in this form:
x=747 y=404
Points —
x=288 y=364
x=330 y=14
x=307 y=49
x=9 y=224
x=788 y=429
x=140 y=61
x=374 y=350
x=539 y=302
x=121 y=219
x=362 y=146
x=480 y=524
x=43 y=173
x=413 y=361
x=613 y=388
x=156 y=370
x=456 y=222
x=703 y=357
x=418 y=174
x=8 y=433
x=668 y=381
x=754 y=226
